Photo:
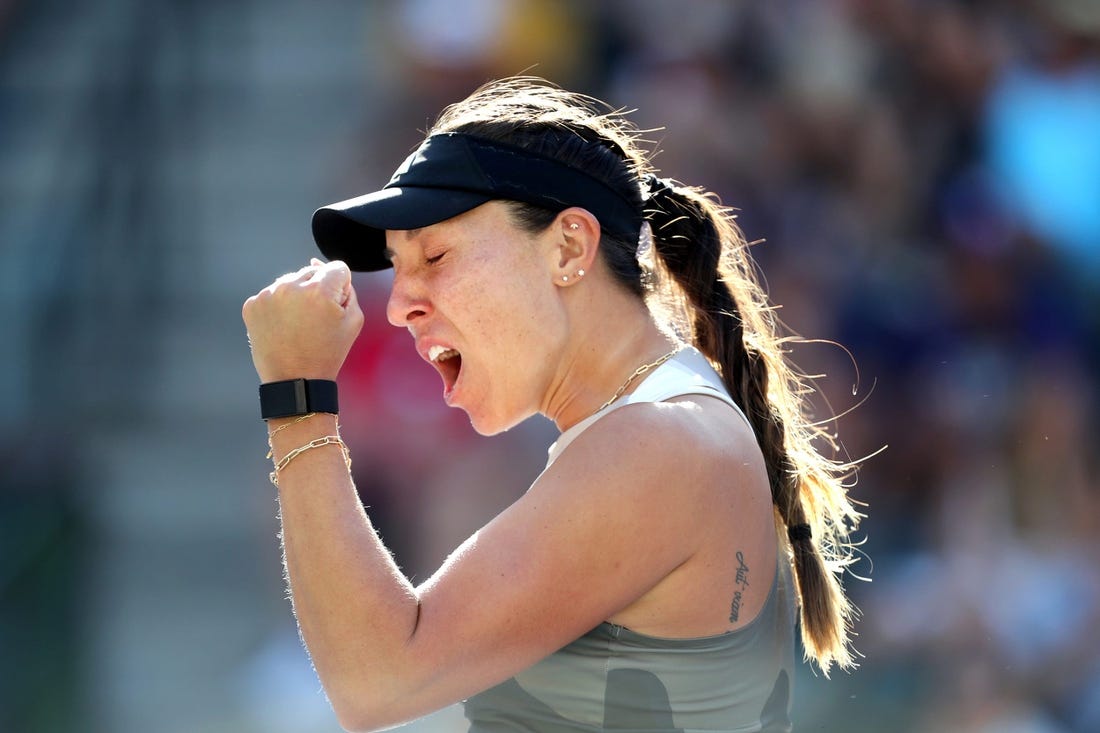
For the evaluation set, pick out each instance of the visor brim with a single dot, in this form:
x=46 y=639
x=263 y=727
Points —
x=355 y=230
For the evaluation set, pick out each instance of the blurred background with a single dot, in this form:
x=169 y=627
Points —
x=925 y=175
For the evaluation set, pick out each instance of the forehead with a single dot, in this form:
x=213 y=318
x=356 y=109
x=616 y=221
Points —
x=491 y=221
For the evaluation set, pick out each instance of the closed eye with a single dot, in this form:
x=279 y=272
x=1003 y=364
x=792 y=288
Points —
x=434 y=259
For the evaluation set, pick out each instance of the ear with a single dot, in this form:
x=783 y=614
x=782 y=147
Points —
x=578 y=242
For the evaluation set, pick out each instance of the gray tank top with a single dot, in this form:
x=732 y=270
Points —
x=614 y=679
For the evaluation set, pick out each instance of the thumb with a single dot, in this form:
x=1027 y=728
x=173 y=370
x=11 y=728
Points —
x=351 y=303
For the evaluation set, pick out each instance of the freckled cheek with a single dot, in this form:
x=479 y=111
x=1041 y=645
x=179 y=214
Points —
x=502 y=302
x=476 y=311
x=505 y=322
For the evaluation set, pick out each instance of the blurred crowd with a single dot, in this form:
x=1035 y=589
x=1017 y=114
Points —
x=923 y=181
x=925 y=177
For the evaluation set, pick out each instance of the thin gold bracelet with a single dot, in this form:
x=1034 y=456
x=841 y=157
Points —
x=315 y=443
x=284 y=426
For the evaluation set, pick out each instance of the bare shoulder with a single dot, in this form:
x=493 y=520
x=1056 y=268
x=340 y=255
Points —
x=688 y=480
x=693 y=439
x=688 y=470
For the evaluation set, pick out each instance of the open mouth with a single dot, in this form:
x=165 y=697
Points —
x=448 y=362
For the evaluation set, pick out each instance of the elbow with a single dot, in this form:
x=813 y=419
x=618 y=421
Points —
x=356 y=716
x=357 y=719
x=354 y=723
x=371 y=697
x=359 y=713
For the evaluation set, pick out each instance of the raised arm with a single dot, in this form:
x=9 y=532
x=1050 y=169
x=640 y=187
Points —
x=574 y=550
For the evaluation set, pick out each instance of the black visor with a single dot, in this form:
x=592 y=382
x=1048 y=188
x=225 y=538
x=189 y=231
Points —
x=450 y=174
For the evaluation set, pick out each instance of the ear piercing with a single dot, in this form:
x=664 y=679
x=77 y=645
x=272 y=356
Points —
x=573 y=226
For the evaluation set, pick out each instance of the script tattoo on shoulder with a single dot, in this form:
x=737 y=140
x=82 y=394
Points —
x=741 y=582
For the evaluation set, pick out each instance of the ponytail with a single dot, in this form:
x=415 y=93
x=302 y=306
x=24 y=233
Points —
x=726 y=316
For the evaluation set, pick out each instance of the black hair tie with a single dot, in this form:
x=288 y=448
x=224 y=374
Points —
x=799 y=532
x=657 y=187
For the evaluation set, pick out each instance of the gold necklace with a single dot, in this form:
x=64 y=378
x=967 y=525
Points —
x=637 y=373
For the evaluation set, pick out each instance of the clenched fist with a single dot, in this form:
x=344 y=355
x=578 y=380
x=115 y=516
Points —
x=303 y=324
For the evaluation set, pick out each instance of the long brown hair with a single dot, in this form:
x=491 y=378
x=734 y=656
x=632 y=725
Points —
x=704 y=281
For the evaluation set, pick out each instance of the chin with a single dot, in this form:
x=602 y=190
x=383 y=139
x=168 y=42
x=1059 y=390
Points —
x=489 y=425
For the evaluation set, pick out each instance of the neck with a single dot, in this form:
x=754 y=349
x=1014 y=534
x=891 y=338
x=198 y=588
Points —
x=599 y=361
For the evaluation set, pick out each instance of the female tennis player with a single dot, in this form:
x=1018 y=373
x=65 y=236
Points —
x=655 y=575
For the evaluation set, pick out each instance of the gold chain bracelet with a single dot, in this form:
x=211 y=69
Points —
x=315 y=443
x=284 y=426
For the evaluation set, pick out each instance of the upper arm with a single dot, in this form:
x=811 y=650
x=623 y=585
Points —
x=605 y=523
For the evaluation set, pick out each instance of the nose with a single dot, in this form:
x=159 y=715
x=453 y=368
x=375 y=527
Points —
x=407 y=301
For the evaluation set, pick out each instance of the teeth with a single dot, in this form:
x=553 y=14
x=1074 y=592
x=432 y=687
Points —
x=441 y=353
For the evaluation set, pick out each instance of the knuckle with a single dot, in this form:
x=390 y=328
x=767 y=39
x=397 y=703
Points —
x=280 y=290
x=252 y=303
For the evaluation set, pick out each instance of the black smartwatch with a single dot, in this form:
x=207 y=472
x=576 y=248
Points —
x=294 y=397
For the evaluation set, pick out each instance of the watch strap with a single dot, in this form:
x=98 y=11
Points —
x=294 y=397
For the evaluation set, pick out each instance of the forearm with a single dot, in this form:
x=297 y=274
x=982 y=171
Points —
x=355 y=608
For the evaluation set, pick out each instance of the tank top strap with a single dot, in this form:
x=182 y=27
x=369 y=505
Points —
x=688 y=372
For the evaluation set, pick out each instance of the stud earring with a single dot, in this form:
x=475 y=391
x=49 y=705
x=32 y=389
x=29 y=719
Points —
x=565 y=278
x=574 y=226
x=580 y=273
